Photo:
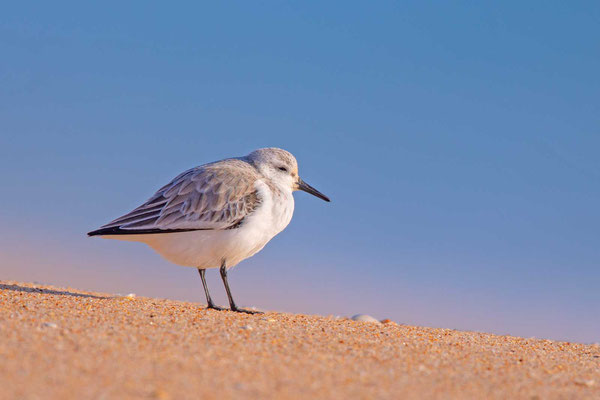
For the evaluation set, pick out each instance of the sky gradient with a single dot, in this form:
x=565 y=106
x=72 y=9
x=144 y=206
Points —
x=458 y=143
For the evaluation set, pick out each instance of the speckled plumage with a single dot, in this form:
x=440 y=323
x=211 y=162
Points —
x=213 y=196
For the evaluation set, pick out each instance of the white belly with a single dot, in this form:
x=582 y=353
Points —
x=208 y=249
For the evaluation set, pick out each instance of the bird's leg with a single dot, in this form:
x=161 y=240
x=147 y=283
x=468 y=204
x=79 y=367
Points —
x=232 y=305
x=212 y=305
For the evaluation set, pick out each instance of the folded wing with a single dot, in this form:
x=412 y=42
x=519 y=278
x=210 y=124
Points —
x=210 y=197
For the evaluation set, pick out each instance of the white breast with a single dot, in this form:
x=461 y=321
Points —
x=271 y=217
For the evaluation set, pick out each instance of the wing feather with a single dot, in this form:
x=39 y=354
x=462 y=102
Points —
x=210 y=197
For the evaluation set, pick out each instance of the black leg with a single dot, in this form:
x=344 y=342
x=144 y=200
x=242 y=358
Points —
x=208 y=299
x=232 y=305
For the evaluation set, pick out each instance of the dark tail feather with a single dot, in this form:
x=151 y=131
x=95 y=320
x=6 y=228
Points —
x=119 y=231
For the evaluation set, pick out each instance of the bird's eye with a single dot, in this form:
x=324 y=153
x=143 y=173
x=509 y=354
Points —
x=284 y=169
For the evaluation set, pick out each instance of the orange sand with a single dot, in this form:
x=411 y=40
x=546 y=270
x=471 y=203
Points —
x=65 y=343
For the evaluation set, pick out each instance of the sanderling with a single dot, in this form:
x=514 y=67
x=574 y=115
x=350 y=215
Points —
x=217 y=214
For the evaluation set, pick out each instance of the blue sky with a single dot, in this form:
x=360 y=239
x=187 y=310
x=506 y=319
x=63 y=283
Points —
x=458 y=142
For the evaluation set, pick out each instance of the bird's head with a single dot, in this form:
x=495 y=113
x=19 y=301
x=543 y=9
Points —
x=281 y=168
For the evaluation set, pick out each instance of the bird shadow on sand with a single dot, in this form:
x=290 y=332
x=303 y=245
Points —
x=18 y=288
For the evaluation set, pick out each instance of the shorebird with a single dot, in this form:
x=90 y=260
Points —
x=217 y=214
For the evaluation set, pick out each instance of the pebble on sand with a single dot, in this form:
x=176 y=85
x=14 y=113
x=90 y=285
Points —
x=364 y=318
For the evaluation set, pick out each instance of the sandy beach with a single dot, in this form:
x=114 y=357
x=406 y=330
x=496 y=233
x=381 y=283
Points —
x=63 y=343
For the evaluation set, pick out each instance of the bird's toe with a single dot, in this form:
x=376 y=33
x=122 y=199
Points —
x=246 y=311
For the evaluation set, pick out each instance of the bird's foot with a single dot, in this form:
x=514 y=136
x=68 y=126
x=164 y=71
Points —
x=244 y=310
x=215 y=307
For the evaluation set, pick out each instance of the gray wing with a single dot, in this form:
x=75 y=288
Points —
x=213 y=196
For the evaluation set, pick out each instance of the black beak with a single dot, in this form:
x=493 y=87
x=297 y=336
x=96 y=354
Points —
x=305 y=187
